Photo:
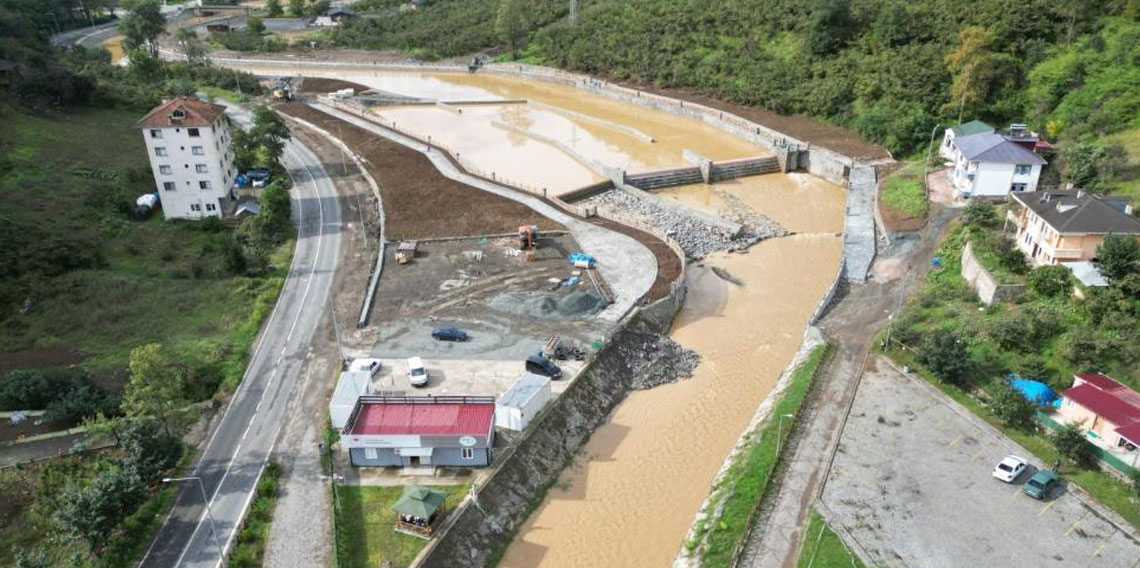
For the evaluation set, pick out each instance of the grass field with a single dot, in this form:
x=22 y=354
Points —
x=822 y=547
x=748 y=477
x=63 y=179
x=1130 y=140
x=364 y=535
x=904 y=191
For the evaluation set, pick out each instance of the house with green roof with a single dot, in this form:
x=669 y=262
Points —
x=989 y=163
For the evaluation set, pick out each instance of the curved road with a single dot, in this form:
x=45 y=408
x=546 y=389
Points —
x=236 y=454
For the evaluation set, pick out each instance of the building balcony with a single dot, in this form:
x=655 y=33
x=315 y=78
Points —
x=1068 y=254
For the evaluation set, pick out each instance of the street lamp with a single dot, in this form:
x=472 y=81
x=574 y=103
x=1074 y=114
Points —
x=926 y=164
x=213 y=530
x=780 y=431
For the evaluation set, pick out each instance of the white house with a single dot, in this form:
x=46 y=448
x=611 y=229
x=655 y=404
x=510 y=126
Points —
x=522 y=402
x=946 y=150
x=188 y=141
x=992 y=164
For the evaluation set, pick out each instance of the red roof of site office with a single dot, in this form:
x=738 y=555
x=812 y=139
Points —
x=422 y=416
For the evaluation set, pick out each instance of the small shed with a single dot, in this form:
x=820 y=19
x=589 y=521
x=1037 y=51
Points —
x=522 y=402
x=349 y=388
x=419 y=510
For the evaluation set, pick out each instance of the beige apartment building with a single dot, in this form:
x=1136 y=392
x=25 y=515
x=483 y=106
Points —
x=1054 y=227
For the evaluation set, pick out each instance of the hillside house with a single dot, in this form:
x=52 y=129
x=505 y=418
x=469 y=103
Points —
x=189 y=145
x=990 y=164
x=413 y=431
x=1068 y=225
x=1107 y=410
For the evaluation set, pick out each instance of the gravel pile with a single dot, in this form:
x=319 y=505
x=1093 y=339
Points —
x=540 y=305
x=697 y=238
x=654 y=359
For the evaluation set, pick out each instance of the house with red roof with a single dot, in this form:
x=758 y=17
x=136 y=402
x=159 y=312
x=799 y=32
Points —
x=1107 y=410
x=415 y=431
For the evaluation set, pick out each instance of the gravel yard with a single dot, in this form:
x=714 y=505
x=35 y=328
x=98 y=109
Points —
x=912 y=485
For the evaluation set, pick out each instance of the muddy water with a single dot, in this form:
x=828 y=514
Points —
x=115 y=46
x=802 y=203
x=651 y=466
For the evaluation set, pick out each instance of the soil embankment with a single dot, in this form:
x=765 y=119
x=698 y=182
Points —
x=321 y=85
x=419 y=202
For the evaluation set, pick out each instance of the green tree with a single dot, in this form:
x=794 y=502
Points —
x=1050 y=281
x=980 y=214
x=297 y=8
x=1070 y=442
x=1118 y=256
x=944 y=353
x=276 y=210
x=154 y=388
x=142 y=26
x=149 y=451
x=973 y=66
x=320 y=7
x=510 y=24
x=273 y=8
x=92 y=511
x=269 y=132
x=255 y=26
x=1009 y=405
x=1092 y=165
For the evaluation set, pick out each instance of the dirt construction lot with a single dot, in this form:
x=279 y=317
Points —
x=508 y=306
x=912 y=485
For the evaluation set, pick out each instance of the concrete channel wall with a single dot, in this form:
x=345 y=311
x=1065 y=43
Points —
x=480 y=529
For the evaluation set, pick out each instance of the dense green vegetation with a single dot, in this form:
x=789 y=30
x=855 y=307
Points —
x=905 y=192
x=890 y=69
x=249 y=549
x=364 y=535
x=823 y=548
x=747 y=480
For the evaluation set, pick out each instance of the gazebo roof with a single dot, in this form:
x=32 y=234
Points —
x=419 y=502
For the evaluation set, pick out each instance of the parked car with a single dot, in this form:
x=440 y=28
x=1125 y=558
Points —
x=417 y=373
x=449 y=333
x=1041 y=484
x=543 y=366
x=1009 y=468
x=372 y=366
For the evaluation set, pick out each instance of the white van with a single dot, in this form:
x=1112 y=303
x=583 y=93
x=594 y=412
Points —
x=370 y=366
x=417 y=373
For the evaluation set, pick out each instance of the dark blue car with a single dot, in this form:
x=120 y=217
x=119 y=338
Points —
x=449 y=333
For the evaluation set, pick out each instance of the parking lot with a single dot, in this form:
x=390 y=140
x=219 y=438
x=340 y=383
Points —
x=912 y=485
x=463 y=377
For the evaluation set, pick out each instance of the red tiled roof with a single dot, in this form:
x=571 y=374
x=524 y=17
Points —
x=1130 y=432
x=1105 y=404
x=394 y=419
x=198 y=113
x=1101 y=381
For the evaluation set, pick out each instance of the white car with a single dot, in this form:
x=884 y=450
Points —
x=370 y=366
x=1009 y=468
x=417 y=373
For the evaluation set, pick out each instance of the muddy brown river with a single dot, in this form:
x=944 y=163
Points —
x=634 y=491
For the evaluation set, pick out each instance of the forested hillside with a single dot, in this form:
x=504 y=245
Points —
x=890 y=69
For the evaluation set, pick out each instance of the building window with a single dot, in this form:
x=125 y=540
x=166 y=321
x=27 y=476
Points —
x=210 y=207
x=193 y=132
x=1018 y=187
x=159 y=151
x=156 y=134
x=203 y=185
x=200 y=168
x=164 y=170
x=168 y=185
x=1022 y=170
x=196 y=207
x=467 y=453
x=197 y=151
x=369 y=453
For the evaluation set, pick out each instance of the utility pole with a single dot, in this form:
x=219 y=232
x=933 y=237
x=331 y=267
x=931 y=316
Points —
x=336 y=328
x=573 y=12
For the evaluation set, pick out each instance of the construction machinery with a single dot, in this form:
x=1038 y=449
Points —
x=528 y=237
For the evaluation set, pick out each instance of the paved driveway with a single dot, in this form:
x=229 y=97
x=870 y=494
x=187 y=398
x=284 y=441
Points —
x=911 y=484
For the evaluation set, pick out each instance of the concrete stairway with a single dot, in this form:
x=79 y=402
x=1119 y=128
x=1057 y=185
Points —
x=733 y=169
x=859 y=239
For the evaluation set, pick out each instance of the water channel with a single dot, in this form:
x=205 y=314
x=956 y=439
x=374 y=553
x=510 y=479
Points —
x=642 y=477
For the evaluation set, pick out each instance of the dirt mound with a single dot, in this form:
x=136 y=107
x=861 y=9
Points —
x=540 y=305
x=654 y=359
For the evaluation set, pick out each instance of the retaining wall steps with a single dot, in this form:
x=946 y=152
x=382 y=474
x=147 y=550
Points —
x=743 y=168
x=668 y=178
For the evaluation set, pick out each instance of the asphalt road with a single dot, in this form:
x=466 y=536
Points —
x=236 y=454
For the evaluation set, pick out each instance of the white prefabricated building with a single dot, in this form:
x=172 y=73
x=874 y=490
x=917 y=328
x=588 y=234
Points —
x=349 y=387
x=522 y=402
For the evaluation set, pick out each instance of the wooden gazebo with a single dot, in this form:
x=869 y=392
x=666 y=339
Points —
x=418 y=510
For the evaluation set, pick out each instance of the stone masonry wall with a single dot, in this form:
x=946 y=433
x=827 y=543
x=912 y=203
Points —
x=983 y=282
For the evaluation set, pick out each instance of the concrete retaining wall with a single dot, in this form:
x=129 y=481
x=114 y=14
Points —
x=983 y=282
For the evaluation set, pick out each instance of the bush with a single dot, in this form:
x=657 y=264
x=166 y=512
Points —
x=980 y=214
x=1050 y=281
x=1118 y=257
x=1070 y=442
x=944 y=353
x=1010 y=406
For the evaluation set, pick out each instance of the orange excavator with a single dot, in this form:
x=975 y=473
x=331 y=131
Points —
x=528 y=237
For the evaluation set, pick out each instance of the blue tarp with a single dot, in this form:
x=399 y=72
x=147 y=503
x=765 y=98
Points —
x=1036 y=392
x=587 y=260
